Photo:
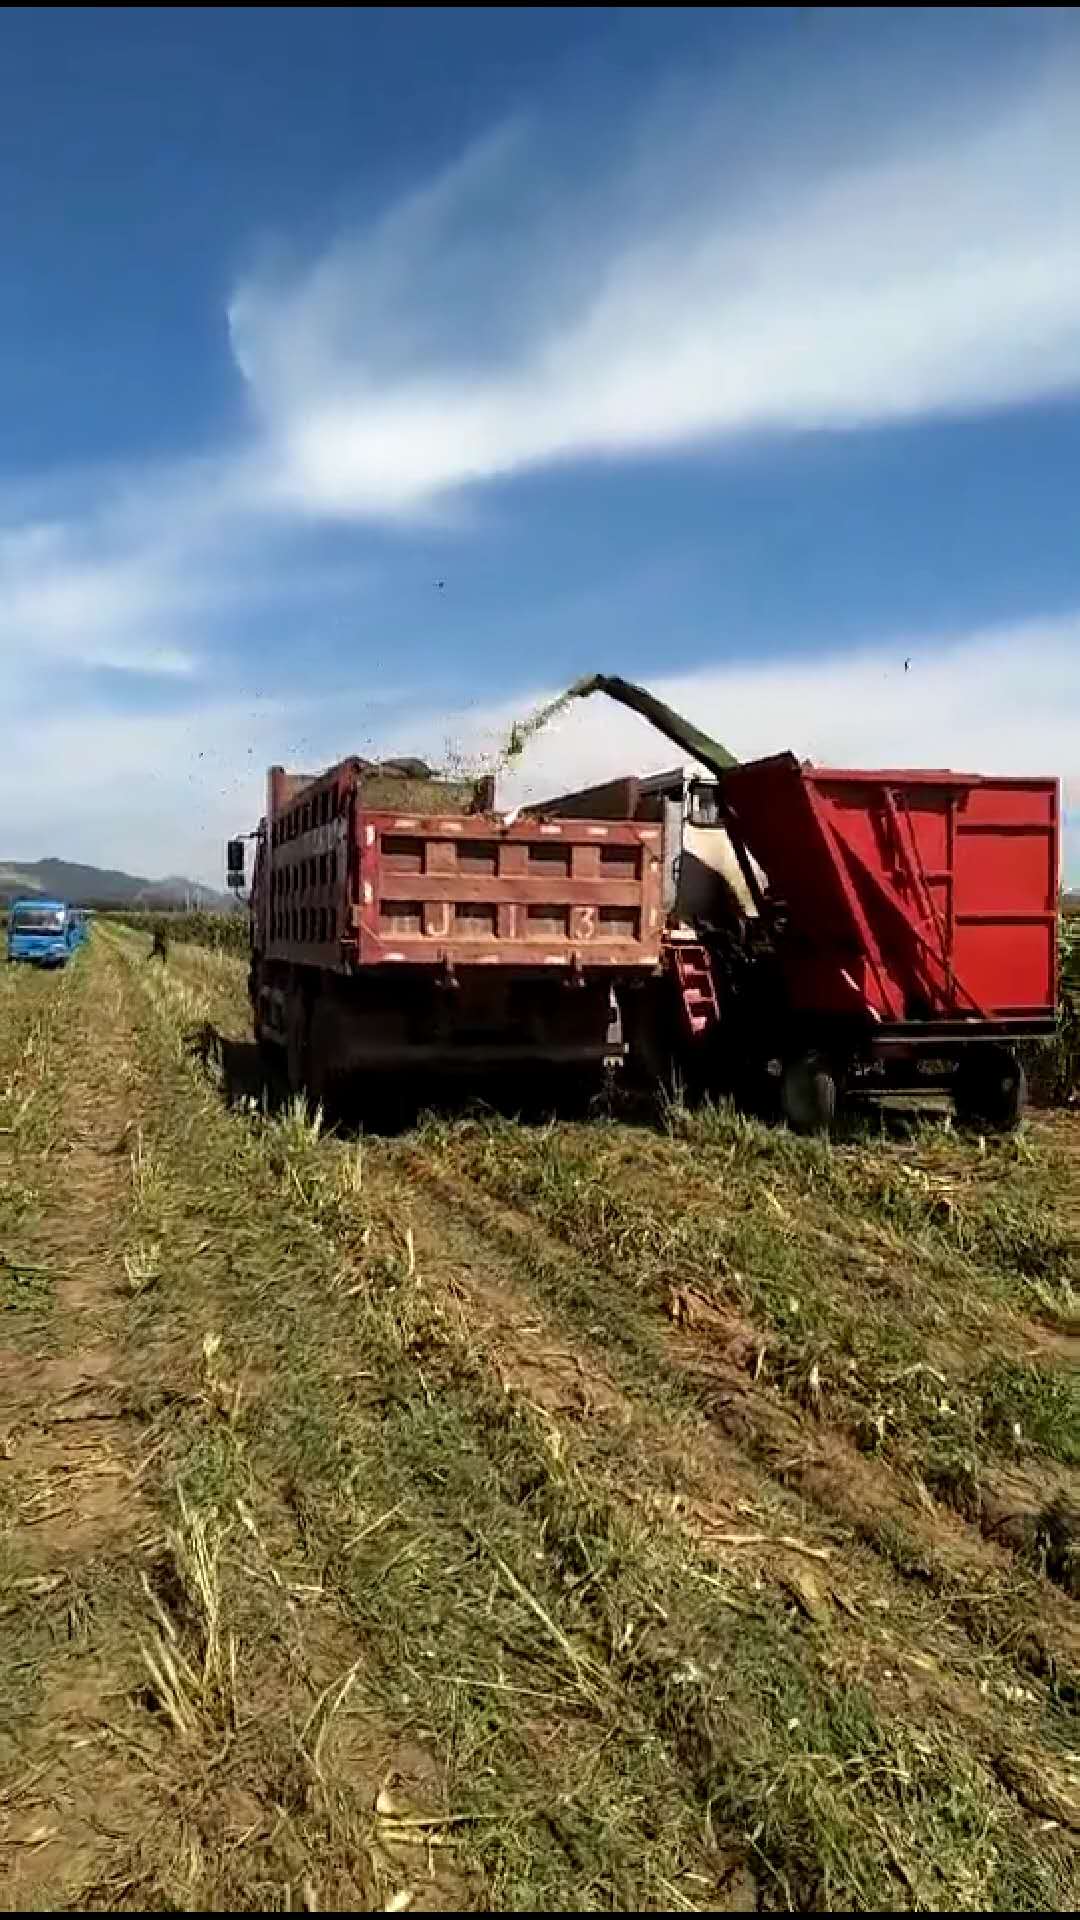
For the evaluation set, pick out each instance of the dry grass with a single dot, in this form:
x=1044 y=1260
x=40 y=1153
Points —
x=387 y=1631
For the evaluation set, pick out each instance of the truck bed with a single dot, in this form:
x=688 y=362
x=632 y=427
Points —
x=348 y=884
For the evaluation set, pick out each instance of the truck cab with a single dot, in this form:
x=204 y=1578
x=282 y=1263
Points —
x=44 y=932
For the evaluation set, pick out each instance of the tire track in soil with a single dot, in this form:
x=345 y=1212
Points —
x=459 y=1237
x=879 y=1633
x=68 y=1478
x=759 y=1434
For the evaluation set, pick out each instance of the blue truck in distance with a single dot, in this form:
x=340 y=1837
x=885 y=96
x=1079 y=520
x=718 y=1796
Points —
x=45 y=932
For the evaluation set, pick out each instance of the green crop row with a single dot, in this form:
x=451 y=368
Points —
x=227 y=932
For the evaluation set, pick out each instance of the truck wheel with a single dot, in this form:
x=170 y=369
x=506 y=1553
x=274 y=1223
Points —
x=322 y=1077
x=990 y=1089
x=808 y=1094
x=296 y=1049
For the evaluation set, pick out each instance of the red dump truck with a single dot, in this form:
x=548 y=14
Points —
x=399 y=921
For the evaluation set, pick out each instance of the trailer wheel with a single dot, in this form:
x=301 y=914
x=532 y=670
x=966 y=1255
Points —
x=808 y=1094
x=990 y=1089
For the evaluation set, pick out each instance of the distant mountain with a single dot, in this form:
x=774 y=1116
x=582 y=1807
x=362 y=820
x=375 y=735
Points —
x=104 y=886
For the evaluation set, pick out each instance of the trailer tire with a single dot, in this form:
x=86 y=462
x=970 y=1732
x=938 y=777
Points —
x=990 y=1089
x=808 y=1094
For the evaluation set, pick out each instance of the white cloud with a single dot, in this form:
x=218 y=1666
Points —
x=66 y=596
x=485 y=326
x=1004 y=700
x=531 y=305
x=153 y=794
x=161 y=794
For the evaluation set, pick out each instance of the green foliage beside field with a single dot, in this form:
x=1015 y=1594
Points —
x=226 y=932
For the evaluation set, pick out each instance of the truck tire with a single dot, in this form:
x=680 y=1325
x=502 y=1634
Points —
x=990 y=1089
x=808 y=1094
x=323 y=1081
x=296 y=1047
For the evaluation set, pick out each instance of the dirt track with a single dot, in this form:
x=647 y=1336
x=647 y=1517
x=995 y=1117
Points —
x=356 y=1493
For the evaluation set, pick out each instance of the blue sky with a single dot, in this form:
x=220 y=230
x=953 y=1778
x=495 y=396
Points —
x=736 y=351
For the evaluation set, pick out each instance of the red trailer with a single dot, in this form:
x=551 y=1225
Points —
x=897 y=927
x=914 y=918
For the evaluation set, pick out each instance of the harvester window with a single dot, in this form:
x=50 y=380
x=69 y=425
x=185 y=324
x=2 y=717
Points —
x=704 y=805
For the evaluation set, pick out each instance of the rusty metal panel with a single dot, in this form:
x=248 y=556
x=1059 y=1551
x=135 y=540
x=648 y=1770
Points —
x=474 y=891
x=343 y=884
x=613 y=800
x=308 y=850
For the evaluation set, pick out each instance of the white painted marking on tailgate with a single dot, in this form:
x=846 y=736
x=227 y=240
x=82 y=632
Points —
x=407 y=821
x=369 y=836
x=393 y=956
x=650 y=835
x=451 y=826
x=551 y=829
x=554 y=960
x=599 y=833
x=369 y=893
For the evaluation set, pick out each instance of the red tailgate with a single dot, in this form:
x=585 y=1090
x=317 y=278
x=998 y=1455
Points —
x=474 y=892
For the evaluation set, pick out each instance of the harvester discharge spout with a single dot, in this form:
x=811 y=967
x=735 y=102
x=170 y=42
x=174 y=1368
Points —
x=708 y=752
